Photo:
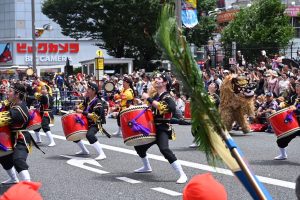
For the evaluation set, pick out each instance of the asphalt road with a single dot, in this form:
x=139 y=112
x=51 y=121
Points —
x=65 y=176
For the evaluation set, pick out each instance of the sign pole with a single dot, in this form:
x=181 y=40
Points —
x=33 y=36
x=99 y=63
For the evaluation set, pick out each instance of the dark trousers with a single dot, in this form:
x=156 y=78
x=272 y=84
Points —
x=118 y=120
x=18 y=157
x=45 y=124
x=284 y=142
x=162 y=141
x=91 y=134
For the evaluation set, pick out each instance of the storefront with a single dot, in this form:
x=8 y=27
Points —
x=51 y=55
x=111 y=66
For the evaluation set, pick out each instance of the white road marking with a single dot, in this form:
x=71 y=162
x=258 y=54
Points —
x=271 y=181
x=128 y=180
x=79 y=162
x=166 y=191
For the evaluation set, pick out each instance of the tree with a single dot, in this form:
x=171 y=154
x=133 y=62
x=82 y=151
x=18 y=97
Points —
x=200 y=34
x=262 y=26
x=123 y=28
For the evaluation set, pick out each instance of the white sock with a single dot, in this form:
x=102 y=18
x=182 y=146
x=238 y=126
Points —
x=84 y=150
x=12 y=176
x=50 y=137
x=146 y=166
x=282 y=155
x=182 y=176
x=283 y=152
x=24 y=175
x=38 y=137
x=100 y=151
x=119 y=132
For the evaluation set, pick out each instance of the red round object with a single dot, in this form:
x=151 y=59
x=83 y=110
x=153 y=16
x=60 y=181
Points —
x=187 y=110
x=5 y=140
x=35 y=121
x=75 y=126
x=281 y=127
x=136 y=138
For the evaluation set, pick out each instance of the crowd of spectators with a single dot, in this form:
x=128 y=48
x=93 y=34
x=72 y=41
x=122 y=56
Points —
x=275 y=87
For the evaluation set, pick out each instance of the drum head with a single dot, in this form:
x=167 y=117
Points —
x=29 y=72
x=109 y=87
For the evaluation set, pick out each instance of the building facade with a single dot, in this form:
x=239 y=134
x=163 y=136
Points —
x=53 y=48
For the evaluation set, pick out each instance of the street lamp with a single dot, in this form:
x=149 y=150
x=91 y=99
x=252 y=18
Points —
x=33 y=35
x=178 y=13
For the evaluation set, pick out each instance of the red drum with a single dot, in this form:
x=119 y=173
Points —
x=5 y=141
x=187 y=110
x=283 y=128
x=75 y=126
x=134 y=137
x=35 y=120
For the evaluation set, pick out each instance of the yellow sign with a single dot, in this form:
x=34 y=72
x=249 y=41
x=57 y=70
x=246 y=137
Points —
x=99 y=53
x=99 y=63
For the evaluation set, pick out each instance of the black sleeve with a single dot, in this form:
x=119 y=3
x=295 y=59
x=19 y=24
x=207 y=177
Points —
x=99 y=110
x=170 y=103
x=19 y=115
x=44 y=100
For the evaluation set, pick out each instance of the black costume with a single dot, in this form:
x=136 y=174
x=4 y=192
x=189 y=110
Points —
x=46 y=104
x=283 y=142
x=96 y=107
x=162 y=117
x=21 y=139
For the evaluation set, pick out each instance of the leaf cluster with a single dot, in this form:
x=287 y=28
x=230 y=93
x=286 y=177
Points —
x=260 y=26
x=123 y=28
x=205 y=117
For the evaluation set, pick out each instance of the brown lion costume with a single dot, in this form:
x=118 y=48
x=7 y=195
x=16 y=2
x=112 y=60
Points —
x=237 y=101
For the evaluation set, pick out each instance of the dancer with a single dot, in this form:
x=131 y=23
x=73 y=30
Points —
x=127 y=97
x=163 y=106
x=93 y=109
x=16 y=118
x=45 y=101
x=284 y=141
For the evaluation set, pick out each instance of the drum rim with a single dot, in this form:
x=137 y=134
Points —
x=80 y=131
x=151 y=135
x=65 y=115
x=32 y=127
x=138 y=138
x=288 y=133
x=5 y=153
x=133 y=108
x=279 y=112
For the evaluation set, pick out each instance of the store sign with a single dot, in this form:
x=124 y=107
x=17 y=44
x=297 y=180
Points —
x=48 y=52
x=99 y=63
x=226 y=16
x=292 y=11
x=55 y=58
x=45 y=47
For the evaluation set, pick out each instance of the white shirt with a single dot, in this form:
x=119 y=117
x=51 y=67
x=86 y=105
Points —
x=283 y=85
x=180 y=104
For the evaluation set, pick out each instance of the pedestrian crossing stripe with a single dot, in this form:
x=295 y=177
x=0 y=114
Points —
x=166 y=191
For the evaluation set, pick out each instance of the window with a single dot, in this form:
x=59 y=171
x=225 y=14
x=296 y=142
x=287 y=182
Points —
x=20 y=24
